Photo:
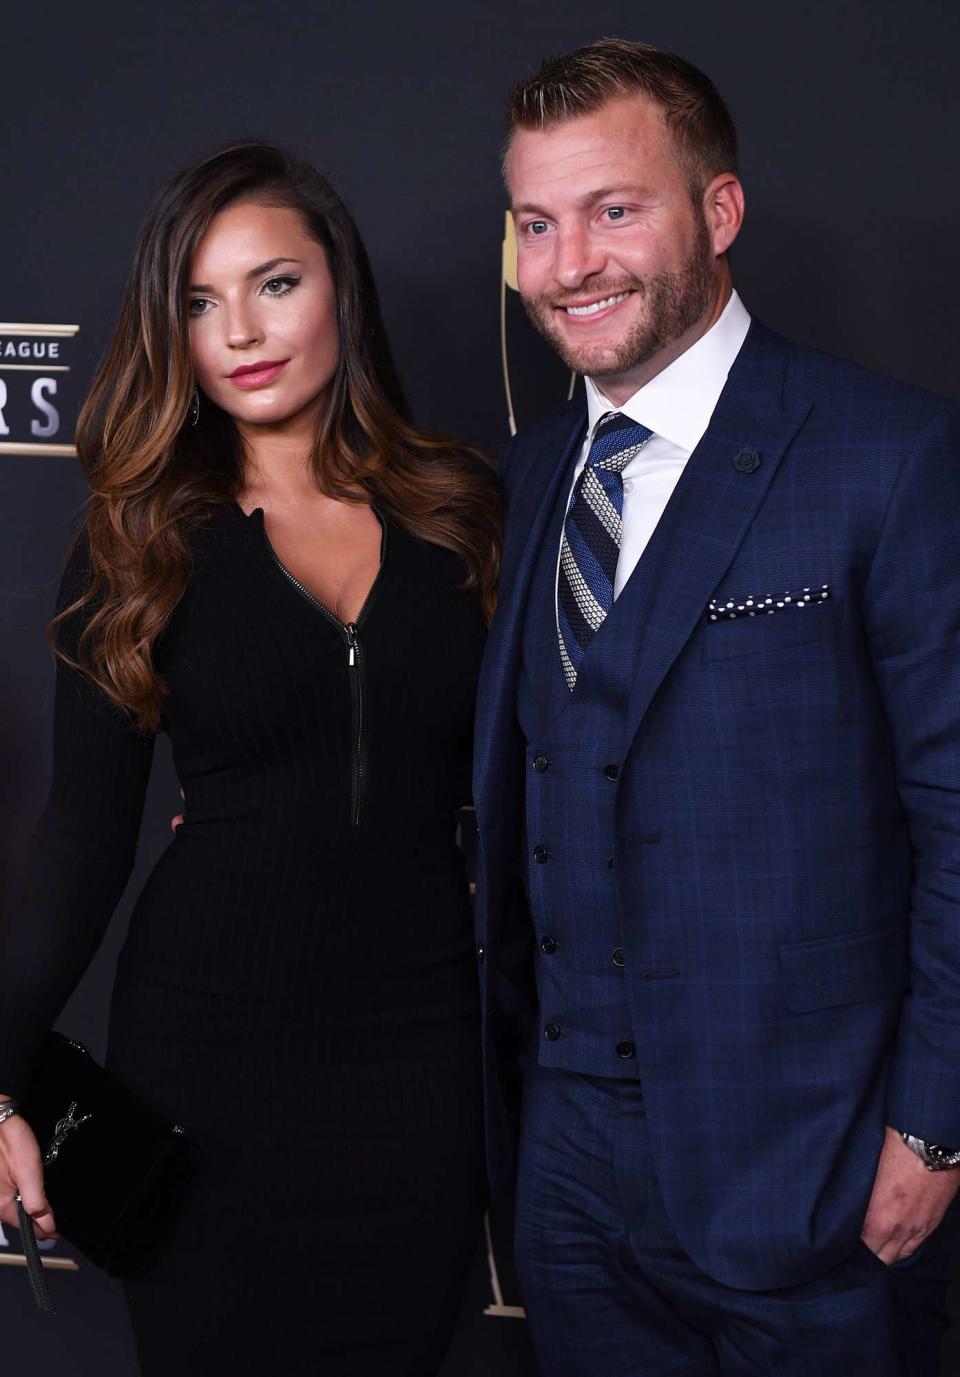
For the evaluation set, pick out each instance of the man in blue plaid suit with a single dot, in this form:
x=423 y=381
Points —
x=717 y=784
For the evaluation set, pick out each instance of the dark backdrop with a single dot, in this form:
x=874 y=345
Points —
x=848 y=111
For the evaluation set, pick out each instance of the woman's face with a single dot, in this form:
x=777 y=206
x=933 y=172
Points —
x=262 y=315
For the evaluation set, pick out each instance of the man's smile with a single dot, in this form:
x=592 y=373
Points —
x=599 y=306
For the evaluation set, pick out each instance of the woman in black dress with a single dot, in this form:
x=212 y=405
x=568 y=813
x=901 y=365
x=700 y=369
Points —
x=290 y=579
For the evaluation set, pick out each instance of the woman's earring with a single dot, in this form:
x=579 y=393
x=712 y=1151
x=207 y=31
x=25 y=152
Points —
x=193 y=415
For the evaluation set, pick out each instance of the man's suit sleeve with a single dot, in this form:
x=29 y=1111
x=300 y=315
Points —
x=912 y=608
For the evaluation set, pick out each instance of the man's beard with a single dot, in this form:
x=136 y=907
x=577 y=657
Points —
x=674 y=301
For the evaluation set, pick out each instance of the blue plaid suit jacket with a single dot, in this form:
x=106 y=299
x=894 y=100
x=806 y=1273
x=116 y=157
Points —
x=787 y=835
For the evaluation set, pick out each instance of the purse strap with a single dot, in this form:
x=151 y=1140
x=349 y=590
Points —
x=31 y=1253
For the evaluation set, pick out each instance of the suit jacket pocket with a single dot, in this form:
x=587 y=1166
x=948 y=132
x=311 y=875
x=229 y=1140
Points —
x=764 y=633
x=828 y=972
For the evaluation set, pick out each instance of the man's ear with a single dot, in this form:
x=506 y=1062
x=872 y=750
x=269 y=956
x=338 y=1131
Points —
x=723 y=209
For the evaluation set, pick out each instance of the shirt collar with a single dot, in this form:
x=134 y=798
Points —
x=677 y=404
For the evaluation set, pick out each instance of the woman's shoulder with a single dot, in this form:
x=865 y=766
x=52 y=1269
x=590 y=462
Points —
x=220 y=529
x=434 y=574
x=212 y=529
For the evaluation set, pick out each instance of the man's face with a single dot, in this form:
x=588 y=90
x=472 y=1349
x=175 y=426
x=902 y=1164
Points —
x=616 y=266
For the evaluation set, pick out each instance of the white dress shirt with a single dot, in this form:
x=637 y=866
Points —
x=676 y=405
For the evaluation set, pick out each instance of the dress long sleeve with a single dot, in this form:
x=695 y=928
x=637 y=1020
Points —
x=80 y=856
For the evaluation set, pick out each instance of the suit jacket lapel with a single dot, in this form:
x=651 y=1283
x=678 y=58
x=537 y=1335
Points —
x=709 y=512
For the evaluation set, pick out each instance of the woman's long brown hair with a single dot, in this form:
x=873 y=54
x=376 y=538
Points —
x=154 y=477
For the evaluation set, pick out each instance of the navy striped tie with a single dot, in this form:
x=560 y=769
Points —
x=591 y=538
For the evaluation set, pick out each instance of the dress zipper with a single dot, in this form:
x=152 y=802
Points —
x=354 y=661
x=350 y=632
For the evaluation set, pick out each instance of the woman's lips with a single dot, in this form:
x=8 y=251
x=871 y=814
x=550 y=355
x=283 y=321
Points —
x=258 y=377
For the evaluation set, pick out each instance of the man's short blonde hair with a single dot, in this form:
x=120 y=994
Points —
x=580 y=82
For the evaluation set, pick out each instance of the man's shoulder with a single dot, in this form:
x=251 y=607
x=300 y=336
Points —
x=545 y=435
x=841 y=387
x=543 y=431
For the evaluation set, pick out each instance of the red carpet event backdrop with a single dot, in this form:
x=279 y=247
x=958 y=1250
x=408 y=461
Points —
x=848 y=113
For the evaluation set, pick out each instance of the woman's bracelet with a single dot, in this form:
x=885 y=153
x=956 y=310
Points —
x=7 y=1109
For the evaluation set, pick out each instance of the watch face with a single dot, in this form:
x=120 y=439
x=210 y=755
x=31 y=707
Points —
x=933 y=1156
x=943 y=1157
x=937 y=1158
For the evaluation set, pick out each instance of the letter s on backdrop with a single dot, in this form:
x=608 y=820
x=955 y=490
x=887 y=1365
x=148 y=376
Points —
x=44 y=429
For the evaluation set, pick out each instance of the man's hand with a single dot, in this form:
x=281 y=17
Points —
x=908 y=1201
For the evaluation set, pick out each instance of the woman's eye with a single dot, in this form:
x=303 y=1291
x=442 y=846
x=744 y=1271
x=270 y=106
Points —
x=197 y=306
x=279 y=286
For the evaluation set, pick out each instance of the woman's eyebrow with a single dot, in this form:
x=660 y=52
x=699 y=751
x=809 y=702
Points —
x=254 y=272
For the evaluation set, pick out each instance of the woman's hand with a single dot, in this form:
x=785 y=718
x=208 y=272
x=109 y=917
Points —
x=21 y=1171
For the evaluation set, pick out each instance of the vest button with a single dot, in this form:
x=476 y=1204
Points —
x=540 y=764
x=480 y=954
x=548 y=946
x=612 y=772
x=551 y=1032
x=618 y=956
x=626 y=1050
x=540 y=854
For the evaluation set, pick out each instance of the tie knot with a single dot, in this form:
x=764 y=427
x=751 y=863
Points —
x=616 y=439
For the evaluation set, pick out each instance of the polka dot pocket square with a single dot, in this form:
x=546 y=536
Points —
x=732 y=609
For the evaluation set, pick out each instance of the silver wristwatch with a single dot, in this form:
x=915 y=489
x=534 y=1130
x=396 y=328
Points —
x=932 y=1155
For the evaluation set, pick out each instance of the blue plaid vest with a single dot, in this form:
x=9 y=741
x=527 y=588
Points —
x=572 y=761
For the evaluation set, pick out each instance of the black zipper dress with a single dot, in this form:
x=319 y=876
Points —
x=298 y=984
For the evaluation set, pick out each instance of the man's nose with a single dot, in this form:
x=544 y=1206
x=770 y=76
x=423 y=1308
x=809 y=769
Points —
x=577 y=257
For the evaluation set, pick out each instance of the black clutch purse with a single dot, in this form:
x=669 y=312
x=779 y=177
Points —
x=115 y=1171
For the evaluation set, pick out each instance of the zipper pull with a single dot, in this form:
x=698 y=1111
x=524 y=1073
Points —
x=352 y=644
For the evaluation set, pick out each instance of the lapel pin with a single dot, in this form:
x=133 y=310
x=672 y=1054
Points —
x=746 y=461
